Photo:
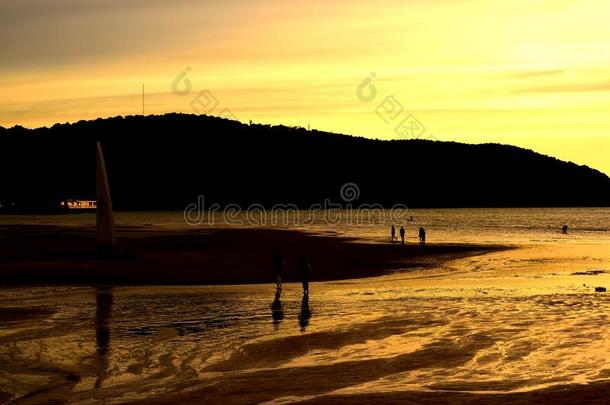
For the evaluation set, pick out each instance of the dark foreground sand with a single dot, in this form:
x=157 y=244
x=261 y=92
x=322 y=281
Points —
x=55 y=255
x=597 y=393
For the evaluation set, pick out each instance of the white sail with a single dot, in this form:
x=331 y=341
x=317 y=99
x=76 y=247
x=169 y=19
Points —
x=105 y=218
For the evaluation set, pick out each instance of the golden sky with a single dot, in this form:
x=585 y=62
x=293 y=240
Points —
x=529 y=73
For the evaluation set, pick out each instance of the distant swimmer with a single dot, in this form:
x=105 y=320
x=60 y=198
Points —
x=402 y=235
x=564 y=229
x=422 y=235
x=393 y=232
x=305 y=274
x=276 y=267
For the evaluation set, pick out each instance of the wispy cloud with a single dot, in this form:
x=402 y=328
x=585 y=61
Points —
x=536 y=73
x=568 y=88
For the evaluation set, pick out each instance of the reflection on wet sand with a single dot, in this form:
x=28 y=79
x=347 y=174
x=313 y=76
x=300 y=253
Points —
x=103 y=300
x=305 y=314
x=277 y=310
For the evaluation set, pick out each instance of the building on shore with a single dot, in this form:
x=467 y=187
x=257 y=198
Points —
x=78 y=204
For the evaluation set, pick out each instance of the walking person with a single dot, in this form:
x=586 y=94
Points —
x=393 y=231
x=402 y=234
x=305 y=274
x=276 y=267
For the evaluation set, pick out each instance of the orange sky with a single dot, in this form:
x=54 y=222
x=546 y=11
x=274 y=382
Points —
x=532 y=74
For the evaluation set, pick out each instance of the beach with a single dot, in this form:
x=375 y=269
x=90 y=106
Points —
x=464 y=323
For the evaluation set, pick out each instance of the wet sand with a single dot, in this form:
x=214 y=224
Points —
x=462 y=324
x=597 y=393
x=60 y=255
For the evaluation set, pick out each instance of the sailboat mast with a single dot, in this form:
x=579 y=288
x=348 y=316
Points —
x=106 y=237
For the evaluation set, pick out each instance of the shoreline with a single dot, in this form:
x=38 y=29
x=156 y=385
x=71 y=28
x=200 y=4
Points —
x=57 y=255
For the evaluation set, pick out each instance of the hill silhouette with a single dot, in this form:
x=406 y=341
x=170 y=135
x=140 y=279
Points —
x=166 y=162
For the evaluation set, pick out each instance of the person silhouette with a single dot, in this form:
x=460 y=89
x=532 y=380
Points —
x=422 y=235
x=564 y=229
x=402 y=235
x=393 y=232
x=305 y=274
x=276 y=267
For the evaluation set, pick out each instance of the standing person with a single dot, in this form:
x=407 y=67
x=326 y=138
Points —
x=393 y=231
x=276 y=268
x=402 y=234
x=422 y=235
x=305 y=274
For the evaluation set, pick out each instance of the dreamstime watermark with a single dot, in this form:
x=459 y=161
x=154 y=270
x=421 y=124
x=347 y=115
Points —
x=392 y=112
x=345 y=212
x=204 y=102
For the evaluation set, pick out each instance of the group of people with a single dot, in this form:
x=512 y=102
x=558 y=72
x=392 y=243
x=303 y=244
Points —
x=278 y=267
x=422 y=234
x=278 y=262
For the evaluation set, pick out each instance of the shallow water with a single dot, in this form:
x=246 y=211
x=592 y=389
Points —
x=507 y=321
x=500 y=225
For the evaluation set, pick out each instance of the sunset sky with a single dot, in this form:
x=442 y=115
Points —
x=529 y=73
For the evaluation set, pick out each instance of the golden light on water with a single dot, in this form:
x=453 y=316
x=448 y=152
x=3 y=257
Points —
x=530 y=74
